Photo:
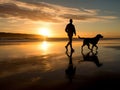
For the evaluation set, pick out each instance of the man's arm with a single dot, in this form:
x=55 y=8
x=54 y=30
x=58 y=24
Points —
x=66 y=29
x=74 y=30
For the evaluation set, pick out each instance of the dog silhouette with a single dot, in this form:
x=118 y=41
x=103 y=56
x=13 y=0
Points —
x=93 y=41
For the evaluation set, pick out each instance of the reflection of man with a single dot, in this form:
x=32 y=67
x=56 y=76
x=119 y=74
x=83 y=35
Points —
x=70 y=71
x=70 y=29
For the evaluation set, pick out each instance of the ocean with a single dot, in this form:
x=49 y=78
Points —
x=46 y=65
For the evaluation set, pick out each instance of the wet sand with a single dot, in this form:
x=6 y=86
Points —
x=33 y=67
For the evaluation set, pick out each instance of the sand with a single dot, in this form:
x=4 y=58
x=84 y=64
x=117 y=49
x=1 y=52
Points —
x=30 y=67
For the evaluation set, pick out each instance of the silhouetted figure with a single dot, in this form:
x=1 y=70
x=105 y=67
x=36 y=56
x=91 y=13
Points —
x=93 y=41
x=92 y=57
x=70 y=71
x=70 y=30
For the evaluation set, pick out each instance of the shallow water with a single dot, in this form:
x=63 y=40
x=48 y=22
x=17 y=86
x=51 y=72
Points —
x=46 y=64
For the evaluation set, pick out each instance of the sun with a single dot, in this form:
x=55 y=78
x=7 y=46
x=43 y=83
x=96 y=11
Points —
x=44 y=32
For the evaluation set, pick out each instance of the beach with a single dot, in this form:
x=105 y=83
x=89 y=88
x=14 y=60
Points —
x=46 y=65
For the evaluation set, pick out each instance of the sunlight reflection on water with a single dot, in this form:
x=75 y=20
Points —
x=44 y=46
x=26 y=49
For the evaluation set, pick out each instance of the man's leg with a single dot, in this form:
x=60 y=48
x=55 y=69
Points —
x=70 y=38
x=68 y=43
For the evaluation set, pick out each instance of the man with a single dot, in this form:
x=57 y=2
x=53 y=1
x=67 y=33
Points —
x=70 y=30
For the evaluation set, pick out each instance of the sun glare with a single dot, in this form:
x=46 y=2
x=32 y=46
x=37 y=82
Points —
x=44 y=32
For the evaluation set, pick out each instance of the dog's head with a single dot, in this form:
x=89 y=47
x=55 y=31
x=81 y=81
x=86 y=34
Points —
x=99 y=36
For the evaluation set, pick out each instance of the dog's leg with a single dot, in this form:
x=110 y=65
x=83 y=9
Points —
x=96 y=47
x=82 y=47
x=88 y=46
x=92 y=47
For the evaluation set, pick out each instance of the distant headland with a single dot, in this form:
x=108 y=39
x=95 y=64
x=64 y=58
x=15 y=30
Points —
x=6 y=36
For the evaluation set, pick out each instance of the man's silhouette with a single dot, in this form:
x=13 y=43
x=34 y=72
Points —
x=70 y=30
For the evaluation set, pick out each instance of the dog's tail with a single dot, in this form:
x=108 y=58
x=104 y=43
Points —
x=80 y=37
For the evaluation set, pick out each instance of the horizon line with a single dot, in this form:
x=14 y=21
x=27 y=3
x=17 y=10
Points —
x=108 y=37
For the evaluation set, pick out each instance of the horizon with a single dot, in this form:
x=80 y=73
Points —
x=45 y=37
x=49 y=17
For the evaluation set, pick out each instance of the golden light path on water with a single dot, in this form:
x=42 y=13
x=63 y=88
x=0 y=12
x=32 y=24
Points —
x=44 y=47
x=47 y=48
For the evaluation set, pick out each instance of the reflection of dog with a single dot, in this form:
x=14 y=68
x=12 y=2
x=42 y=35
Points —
x=91 y=57
x=93 y=41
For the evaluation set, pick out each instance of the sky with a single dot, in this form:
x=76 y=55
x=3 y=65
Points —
x=50 y=17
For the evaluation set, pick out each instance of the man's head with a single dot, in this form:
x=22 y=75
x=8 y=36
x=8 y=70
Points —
x=71 y=20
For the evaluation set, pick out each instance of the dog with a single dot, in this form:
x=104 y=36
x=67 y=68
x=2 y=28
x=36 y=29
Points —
x=93 y=41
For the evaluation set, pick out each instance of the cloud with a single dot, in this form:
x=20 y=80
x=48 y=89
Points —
x=41 y=11
x=8 y=10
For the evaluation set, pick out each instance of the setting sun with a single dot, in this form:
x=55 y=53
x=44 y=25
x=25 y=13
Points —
x=44 y=32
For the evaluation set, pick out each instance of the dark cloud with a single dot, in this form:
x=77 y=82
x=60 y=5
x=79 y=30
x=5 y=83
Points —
x=77 y=17
x=87 y=17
